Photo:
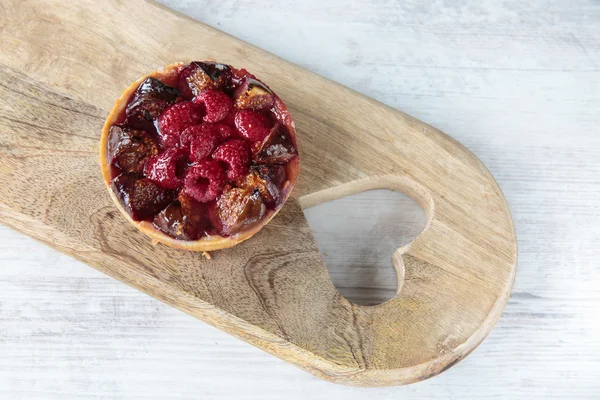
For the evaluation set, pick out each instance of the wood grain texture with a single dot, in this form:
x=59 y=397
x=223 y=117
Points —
x=497 y=76
x=274 y=291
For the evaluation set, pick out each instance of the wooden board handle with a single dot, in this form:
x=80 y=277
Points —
x=62 y=66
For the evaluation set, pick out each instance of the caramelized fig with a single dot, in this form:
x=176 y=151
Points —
x=150 y=99
x=129 y=149
x=199 y=76
x=253 y=95
x=268 y=179
x=141 y=198
x=239 y=208
x=183 y=219
x=276 y=148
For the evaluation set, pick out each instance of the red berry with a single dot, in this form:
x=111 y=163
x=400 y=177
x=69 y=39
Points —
x=200 y=141
x=167 y=169
x=217 y=104
x=236 y=154
x=175 y=119
x=203 y=144
x=229 y=120
x=204 y=181
x=186 y=137
x=225 y=132
x=252 y=125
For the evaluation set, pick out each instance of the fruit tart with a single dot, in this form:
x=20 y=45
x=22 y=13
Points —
x=199 y=156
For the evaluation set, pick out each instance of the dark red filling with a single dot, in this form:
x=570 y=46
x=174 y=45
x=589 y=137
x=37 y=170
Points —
x=206 y=157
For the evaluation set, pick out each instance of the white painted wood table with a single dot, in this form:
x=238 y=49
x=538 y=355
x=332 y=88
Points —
x=517 y=82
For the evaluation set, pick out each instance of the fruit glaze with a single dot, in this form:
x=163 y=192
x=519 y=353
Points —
x=199 y=156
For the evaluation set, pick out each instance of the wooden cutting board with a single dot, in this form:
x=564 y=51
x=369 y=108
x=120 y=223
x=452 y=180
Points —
x=62 y=65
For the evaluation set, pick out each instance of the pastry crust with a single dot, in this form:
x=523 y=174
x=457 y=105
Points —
x=206 y=243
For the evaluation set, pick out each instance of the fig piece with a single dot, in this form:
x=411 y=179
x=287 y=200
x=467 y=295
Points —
x=276 y=148
x=183 y=219
x=150 y=99
x=239 y=208
x=199 y=76
x=129 y=149
x=268 y=179
x=253 y=95
x=140 y=198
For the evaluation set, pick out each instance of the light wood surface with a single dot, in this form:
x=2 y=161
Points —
x=497 y=76
x=273 y=292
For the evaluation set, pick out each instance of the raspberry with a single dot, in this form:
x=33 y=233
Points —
x=217 y=104
x=253 y=95
x=175 y=119
x=236 y=154
x=252 y=125
x=128 y=149
x=186 y=137
x=200 y=141
x=150 y=99
x=204 y=181
x=167 y=169
x=225 y=132
x=276 y=148
x=202 y=146
x=229 y=120
x=140 y=197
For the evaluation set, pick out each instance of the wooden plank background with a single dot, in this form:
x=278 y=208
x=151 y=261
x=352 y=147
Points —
x=517 y=82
